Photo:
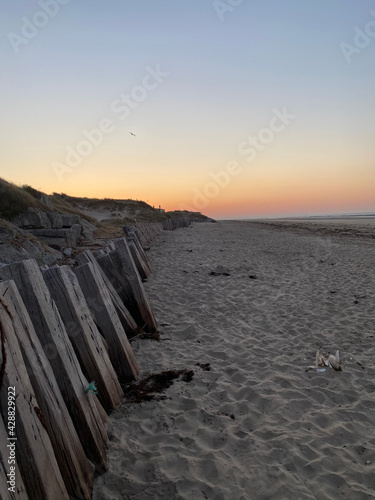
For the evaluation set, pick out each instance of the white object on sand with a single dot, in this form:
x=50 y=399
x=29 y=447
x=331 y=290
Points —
x=333 y=361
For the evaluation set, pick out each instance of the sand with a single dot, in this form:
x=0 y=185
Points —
x=257 y=425
x=360 y=227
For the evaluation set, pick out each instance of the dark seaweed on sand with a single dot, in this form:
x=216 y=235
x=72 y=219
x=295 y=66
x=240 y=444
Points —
x=146 y=389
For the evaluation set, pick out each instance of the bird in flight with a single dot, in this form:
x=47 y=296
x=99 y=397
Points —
x=131 y=133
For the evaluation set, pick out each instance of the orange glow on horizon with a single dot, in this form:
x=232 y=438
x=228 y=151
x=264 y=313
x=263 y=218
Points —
x=260 y=189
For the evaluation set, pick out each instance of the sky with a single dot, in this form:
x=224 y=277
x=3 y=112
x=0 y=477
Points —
x=239 y=109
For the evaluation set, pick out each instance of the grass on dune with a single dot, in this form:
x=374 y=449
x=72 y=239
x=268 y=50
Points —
x=15 y=200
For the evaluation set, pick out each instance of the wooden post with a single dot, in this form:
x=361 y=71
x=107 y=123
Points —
x=141 y=265
x=129 y=272
x=145 y=232
x=84 y=335
x=107 y=321
x=76 y=469
x=33 y=449
x=111 y=266
x=59 y=350
x=133 y=237
x=140 y=235
x=127 y=321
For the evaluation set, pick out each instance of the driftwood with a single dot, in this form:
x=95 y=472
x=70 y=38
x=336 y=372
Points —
x=19 y=492
x=107 y=321
x=76 y=469
x=59 y=350
x=127 y=321
x=84 y=335
x=33 y=449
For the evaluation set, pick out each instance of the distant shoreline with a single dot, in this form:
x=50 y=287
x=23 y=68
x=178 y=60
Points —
x=355 y=227
x=360 y=217
x=368 y=221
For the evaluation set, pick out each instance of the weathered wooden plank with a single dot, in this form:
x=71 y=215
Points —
x=144 y=240
x=148 y=231
x=84 y=335
x=111 y=266
x=145 y=232
x=133 y=237
x=127 y=321
x=110 y=247
x=59 y=350
x=33 y=448
x=120 y=268
x=107 y=321
x=8 y=491
x=141 y=265
x=172 y=224
x=77 y=471
x=128 y=270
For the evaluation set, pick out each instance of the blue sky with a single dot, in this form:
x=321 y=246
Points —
x=225 y=78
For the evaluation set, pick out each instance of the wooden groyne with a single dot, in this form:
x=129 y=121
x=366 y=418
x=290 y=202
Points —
x=64 y=355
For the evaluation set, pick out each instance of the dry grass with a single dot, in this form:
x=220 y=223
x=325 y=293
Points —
x=184 y=213
x=4 y=223
x=62 y=205
x=15 y=200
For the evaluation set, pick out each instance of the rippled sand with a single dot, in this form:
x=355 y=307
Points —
x=257 y=425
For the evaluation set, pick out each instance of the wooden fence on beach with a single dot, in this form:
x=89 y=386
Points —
x=64 y=356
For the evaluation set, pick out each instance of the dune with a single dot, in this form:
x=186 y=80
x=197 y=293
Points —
x=253 y=422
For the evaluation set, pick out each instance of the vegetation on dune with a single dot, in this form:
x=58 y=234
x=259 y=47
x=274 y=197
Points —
x=15 y=200
x=120 y=212
x=185 y=213
x=35 y=193
x=61 y=205
x=104 y=203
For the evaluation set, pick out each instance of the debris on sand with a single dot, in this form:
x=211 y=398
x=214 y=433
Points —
x=206 y=367
x=322 y=361
x=220 y=271
x=146 y=389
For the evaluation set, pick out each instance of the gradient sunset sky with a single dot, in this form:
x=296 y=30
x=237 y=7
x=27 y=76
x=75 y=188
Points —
x=205 y=78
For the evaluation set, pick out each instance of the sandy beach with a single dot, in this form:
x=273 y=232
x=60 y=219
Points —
x=254 y=422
